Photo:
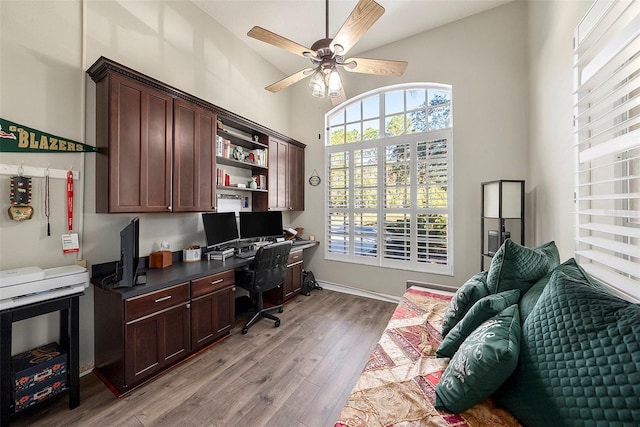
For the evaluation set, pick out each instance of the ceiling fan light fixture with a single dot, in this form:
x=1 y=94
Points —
x=328 y=53
x=317 y=84
x=334 y=84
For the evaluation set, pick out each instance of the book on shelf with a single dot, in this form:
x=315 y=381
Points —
x=223 y=147
x=222 y=177
x=261 y=181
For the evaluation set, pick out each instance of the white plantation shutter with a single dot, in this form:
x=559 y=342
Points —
x=607 y=129
x=388 y=157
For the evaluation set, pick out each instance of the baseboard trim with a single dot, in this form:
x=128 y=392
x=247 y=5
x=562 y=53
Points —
x=359 y=292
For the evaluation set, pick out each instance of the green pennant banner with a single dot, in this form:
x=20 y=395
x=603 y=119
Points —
x=15 y=138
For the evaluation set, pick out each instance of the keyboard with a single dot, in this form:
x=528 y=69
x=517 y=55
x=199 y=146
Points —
x=246 y=254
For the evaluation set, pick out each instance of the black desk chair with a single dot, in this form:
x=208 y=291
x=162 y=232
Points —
x=267 y=271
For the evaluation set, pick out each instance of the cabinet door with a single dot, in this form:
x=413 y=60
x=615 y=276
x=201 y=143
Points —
x=155 y=342
x=139 y=121
x=296 y=178
x=278 y=174
x=212 y=316
x=193 y=158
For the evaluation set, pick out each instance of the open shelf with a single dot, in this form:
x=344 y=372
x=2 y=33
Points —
x=241 y=140
x=236 y=163
x=230 y=187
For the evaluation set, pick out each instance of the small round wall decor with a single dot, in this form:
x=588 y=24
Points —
x=314 y=179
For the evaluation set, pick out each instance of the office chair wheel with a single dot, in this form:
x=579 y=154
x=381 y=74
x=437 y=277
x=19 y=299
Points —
x=280 y=310
x=277 y=323
x=245 y=330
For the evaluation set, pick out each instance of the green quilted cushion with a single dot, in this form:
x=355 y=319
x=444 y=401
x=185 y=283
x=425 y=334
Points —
x=571 y=268
x=518 y=267
x=466 y=295
x=550 y=250
x=579 y=359
x=481 y=311
x=482 y=363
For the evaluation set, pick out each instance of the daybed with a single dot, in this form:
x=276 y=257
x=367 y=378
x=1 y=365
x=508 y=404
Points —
x=529 y=342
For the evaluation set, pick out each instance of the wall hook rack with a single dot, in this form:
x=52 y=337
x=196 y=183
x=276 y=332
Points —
x=37 y=172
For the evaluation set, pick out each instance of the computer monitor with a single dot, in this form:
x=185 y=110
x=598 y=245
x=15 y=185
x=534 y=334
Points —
x=129 y=254
x=260 y=224
x=220 y=228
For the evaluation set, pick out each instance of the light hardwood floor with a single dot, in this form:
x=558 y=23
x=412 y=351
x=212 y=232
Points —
x=297 y=375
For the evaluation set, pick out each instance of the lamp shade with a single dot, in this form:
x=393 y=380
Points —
x=317 y=84
x=510 y=202
x=335 y=84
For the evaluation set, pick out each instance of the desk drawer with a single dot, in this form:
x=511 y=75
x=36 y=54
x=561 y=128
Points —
x=295 y=258
x=153 y=302
x=212 y=283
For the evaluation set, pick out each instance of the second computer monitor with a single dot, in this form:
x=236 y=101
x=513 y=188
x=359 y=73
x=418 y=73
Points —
x=220 y=229
x=261 y=224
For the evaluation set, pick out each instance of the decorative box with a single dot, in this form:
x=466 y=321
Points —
x=191 y=255
x=39 y=365
x=38 y=393
x=160 y=259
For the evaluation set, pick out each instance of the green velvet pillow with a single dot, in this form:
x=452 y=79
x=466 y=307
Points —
x=550 y=250
x=482 y=363
x=517 y=267
x=571 y=268
x=579 y=359
x=481 y=311
x=466 y=295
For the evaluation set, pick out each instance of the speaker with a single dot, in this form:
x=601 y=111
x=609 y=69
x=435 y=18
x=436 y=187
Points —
x=494 y=242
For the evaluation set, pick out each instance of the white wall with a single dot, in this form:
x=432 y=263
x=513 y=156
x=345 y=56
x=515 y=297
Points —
x=551 y=153
x=484 y=57
x=43 y=56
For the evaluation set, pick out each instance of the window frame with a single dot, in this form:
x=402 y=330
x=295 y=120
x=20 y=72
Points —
x=351 y=211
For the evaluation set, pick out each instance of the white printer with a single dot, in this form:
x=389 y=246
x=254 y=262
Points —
x=26 y=285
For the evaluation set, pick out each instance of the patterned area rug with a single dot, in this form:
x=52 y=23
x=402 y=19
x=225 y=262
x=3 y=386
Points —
x=397 y=385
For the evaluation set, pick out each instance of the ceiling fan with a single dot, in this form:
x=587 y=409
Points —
x=328 y=54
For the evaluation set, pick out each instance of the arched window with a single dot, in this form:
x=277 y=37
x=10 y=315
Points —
x=388 y=158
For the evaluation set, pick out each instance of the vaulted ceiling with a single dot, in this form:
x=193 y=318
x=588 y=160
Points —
x=303 y=21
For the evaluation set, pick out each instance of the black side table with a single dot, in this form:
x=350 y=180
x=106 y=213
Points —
x=69 y=340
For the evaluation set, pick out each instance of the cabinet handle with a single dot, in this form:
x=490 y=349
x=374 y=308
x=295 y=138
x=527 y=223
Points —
x=168 y=297
x=188 y=305
x=233 y=289
x=296 y=256
x=215 y=282
x=169 y=208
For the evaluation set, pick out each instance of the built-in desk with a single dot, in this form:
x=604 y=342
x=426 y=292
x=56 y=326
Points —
x=182 y=309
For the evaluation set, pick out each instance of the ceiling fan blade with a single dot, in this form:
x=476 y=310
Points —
x=288 y=81
x=375 y=66
x=339 y=99
x=363 y=16
x=276 y=40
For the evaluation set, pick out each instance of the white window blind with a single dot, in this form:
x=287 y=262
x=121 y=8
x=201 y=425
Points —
x=607 y=130
x=388 y=155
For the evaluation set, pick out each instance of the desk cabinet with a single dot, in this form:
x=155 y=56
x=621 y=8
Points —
x=292 y=282
x=212 y=308
x=137 y=338
x=156 y=332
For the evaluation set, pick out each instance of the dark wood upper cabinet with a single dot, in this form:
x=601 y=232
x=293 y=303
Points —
x=134 y=135
x=193 y=158
x=157 y=149
x=286 y=176
x=296 y=178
